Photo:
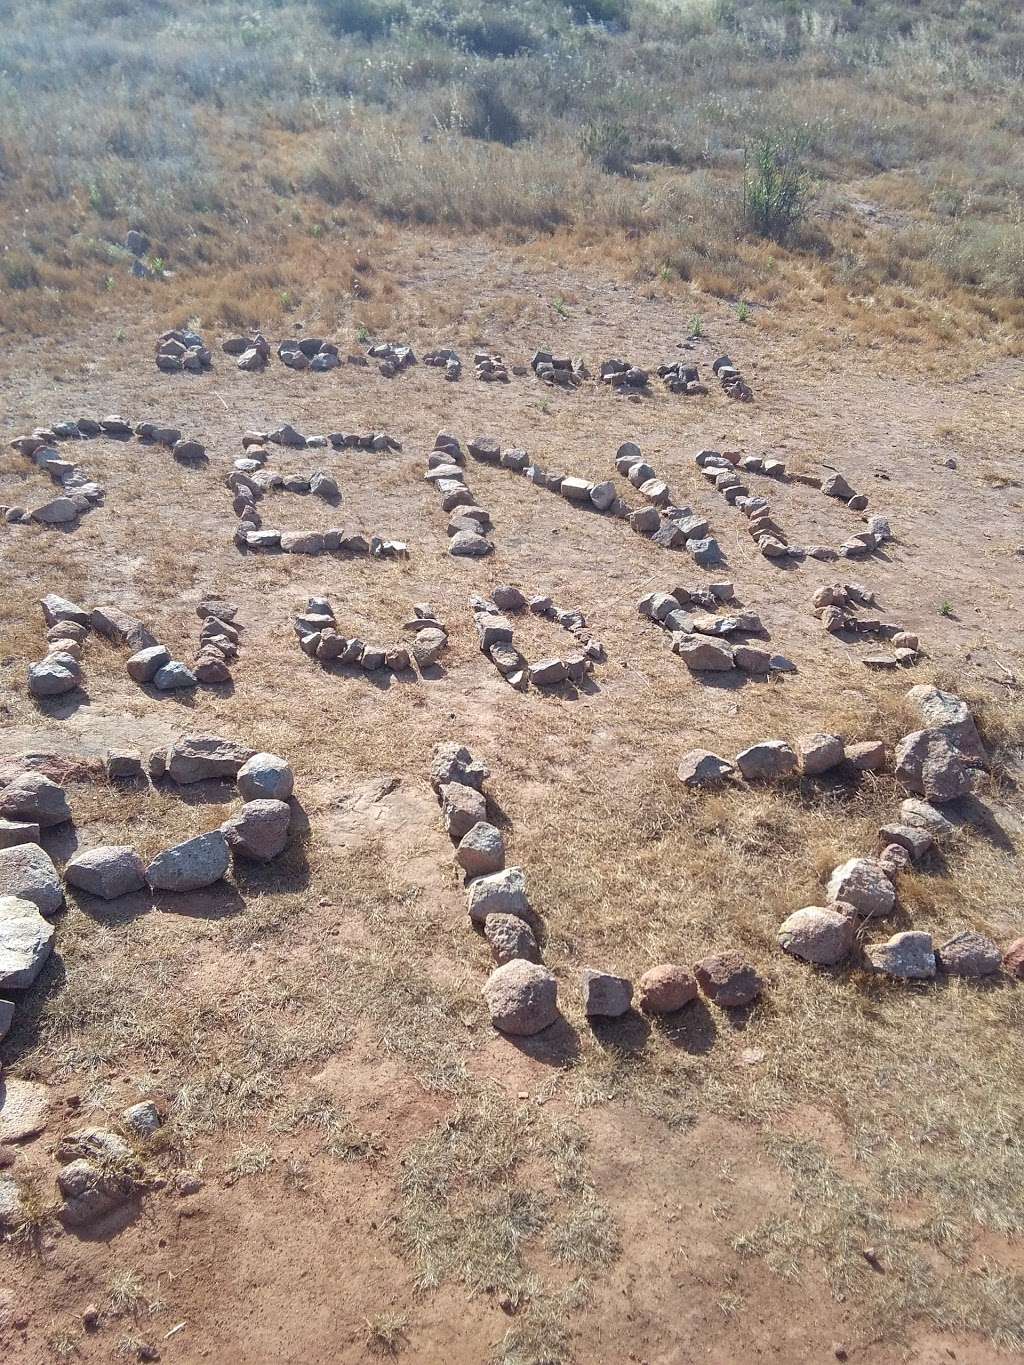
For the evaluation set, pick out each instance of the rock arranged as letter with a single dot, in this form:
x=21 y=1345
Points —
x=181 y=349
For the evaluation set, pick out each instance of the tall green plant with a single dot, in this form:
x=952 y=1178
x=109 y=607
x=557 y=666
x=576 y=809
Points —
x=776 y=188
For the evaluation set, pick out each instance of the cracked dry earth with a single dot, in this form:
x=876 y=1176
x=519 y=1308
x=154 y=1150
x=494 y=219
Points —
x=350 y=969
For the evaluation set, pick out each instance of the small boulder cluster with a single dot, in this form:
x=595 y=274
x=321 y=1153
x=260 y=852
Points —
x=699 y=633
x=317 y=629
x=679 y=377
x=309 y=353
x=182 y=349
x=447 y=360
x=364 y=440
x=732 y=380
x=945 y=759
x=491 y=618
x=79 y=494
x=623 y=376
x=218 y=645
x=467 y=523
x=836 y=606
x=251 y=354
x=773 y=760
x=668 y=525
x=562 y=371
x=67 y=627
x=392 y=358
x=490 y=368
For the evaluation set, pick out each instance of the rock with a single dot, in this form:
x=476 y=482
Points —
x=454 y=763
x=26 y=939
x=57 y=610
x=862 y=883
x=12 y=1205
x=27 y=872
x=109 y=871
x=24 y=1109
x=913 y=838
x=949 y=713
x=969 y=954
x=92 y=1190
x=704 y=654
x=767 y=761
x=501 y=893
x=210 y=669
x=602 y=495
x=190 y=452
x=194 y=758
x=866 y=757
x=924 y=815
x=645 y=520
x=928 y=763
x=510 y=938
x=576 y=490
x=469 y=544
x=14 y=832
x=173 y=675
x=908 y=956
x=123 y=629
x=462 y=807
x=1013 y=959
x=34 y=798
x=492 y=629
x=481 y=850
x=428 y=647
x=665 y=989
x=56 y=512
x=548 y=672
x=698 y=768
x=522 y=997
x=894 y=860
x=303 y=542
x=818 y=934
x=605 y=996
x=506 y=598
x=6 y=1006
x=51 y=679
x=259 y=830
x=265 y=777
x=837 y=487
x=728 y=979
x=190 y=865
x=819 y=753
x=144 y=1119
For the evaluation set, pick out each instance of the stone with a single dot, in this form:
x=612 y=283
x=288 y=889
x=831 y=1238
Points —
x=303 y=542
x=190 y=452
x=645 y=520
x=548 y=672
x=862 y=883
x=767 y=761
x=522 y=997
x=56 y=512
x=51 y=679
x=502 y=893
x=969 y=954
x=469 y=544
x=866 y=757
x=913 y=811
x=913 y=838
x=818 y=934
x=194 y=758
x=428 y=647
x=265 y=777
x=481 y=850
x=507 y=598
x=728 y=979
x=174 y=675
x=493 y=629
x=35 y=798
x=210 y=669
x=1013 y=959
x=929 y=764
x=144 y=665
x=510 y=938
x=190 y=865
x=143 y=1119
x=6 y=1010
x=26 y=939
x=24 y=1109
x=454 y=763
x=602 y=495
x=894 y=860
x=14 y=832
x=699 y=768
x=949 y=713
x=752 y=659
x=259 y=830
x=908 y=956
x=819 y=753
x=462 y=807
x=27 y=872
x=576 y=490
x=703 y=654
x=108 y=872
x=837 y=487
x=123 y=629
x=605 y=996
x=665 y=989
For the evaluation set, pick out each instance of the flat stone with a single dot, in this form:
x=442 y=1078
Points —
x=699 y=768
x=27 y=872
x=605 y=996
x=26 y=939
x=665 y=989
x=195 y=758
x=428 y=647
x=259 y=831
x=303 y=542
x=14 y=832
x=818 y=934
x=522 y=997
x=481 y=850
x=819 y=753
x=108 y=872
x=728 y=979
x=866 y=757
x=969 y=954
x=502 y=893
x=510 y=938
x=914 y=811
x=174 y=675
x=548 y=672
x=576 y=490
x=862 y=883
x=190 y=865
x=913 y=838
x=908 y=956
x=57 y=610
x=123 y=629
x=767 y=761
x=703 y=655
x=24 y=1108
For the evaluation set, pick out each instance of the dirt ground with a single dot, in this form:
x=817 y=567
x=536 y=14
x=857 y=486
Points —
x=704 y=1191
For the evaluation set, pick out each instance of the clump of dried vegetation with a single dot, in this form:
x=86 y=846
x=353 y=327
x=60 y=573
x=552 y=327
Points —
x=736 y=145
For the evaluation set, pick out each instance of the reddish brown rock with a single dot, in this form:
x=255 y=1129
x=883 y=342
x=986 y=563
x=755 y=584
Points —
x=665 y=988
x=728 y=979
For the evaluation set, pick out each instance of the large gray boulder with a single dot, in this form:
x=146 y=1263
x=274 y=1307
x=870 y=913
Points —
x=33 y=797
x=259 y=830
x=929 y=763
x=26 y=871
x=522 y=997
x=502 y=893
x=481 y=850
x=818 y=934
x=862 y=883
x=191 y=865
x=26 y=939
x=195 y=758
x=767 y=761
x=51 y=679
x=265 y=777
x=969 y=954
x=110 y=871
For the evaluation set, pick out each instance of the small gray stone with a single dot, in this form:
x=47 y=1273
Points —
x=819 y=753
x=14 y=832
x=969 y=954
x=701 y=654
x=522 y=997
x=144 y=1119
x=51 y=679
x=699 y=768
x=26 y=939
x=34 y=798
x=481 y=850
x=862 y=883
x=501 y=893
x=259 y=830
x=109 y=871
x=605 y=996
x=27 y=872
x=768 y=760
x=462 y=807
x=819 y=934
x=265 y=777
x=144 y=665
x=190 y=865
x=908 y=956
x=174 y=675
